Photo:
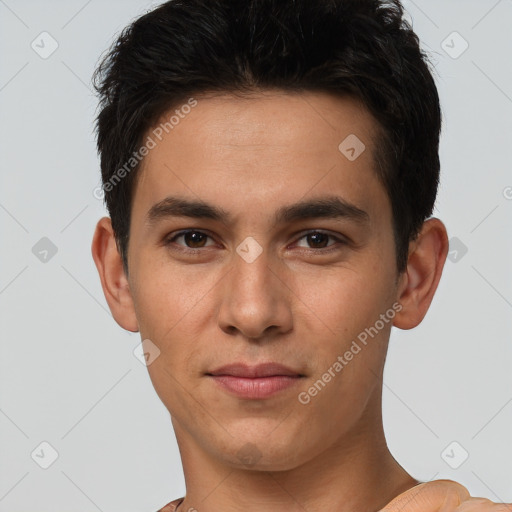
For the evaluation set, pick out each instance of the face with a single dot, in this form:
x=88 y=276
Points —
x=289 y=260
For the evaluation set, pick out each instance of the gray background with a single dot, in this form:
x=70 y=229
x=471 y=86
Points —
x=68 y=374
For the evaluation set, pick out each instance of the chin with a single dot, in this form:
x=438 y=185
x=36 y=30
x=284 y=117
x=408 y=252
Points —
x=255 y=455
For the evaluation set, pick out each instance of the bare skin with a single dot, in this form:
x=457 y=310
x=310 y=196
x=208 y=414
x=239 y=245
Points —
x=302 y=302
x=443 y=496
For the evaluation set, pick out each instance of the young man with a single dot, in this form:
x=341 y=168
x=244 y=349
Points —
x=269 y=168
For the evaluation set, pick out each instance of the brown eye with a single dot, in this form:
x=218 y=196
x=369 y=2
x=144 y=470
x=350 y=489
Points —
x=319 y=240
x=193 y=239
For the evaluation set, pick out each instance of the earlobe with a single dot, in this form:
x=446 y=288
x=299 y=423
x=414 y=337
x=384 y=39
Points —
x=427 y=255
x=113 y=279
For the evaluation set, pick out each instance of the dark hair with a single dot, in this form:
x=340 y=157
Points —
x=357 y=47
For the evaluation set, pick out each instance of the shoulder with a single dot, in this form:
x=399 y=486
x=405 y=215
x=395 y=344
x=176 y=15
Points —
x=171 y=507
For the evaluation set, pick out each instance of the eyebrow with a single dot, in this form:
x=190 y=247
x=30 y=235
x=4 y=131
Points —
x=329 y=207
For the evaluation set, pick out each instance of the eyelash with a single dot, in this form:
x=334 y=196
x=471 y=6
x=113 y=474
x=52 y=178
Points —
x=170 y=240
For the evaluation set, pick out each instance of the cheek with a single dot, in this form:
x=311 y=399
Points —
x=165 y=294
x=174 y=310
x=169 y=304
x=347 y=304
x=344 y=300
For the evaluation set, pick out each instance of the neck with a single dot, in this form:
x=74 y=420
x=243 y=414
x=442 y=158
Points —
x=356 y=474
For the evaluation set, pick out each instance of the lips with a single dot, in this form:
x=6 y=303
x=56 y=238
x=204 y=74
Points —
x=252 y=372
x=255 y=382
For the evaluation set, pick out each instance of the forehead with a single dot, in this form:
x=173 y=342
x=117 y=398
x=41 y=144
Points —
x=260 y=149
x=267 y=118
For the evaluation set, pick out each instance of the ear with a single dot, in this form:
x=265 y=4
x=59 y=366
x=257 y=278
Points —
x=113 y=279
x=417 y=285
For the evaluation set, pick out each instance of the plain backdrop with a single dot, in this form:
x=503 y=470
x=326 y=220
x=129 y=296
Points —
x=68 y=375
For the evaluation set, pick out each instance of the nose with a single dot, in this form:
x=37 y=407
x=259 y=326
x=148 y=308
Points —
x=255 y=300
